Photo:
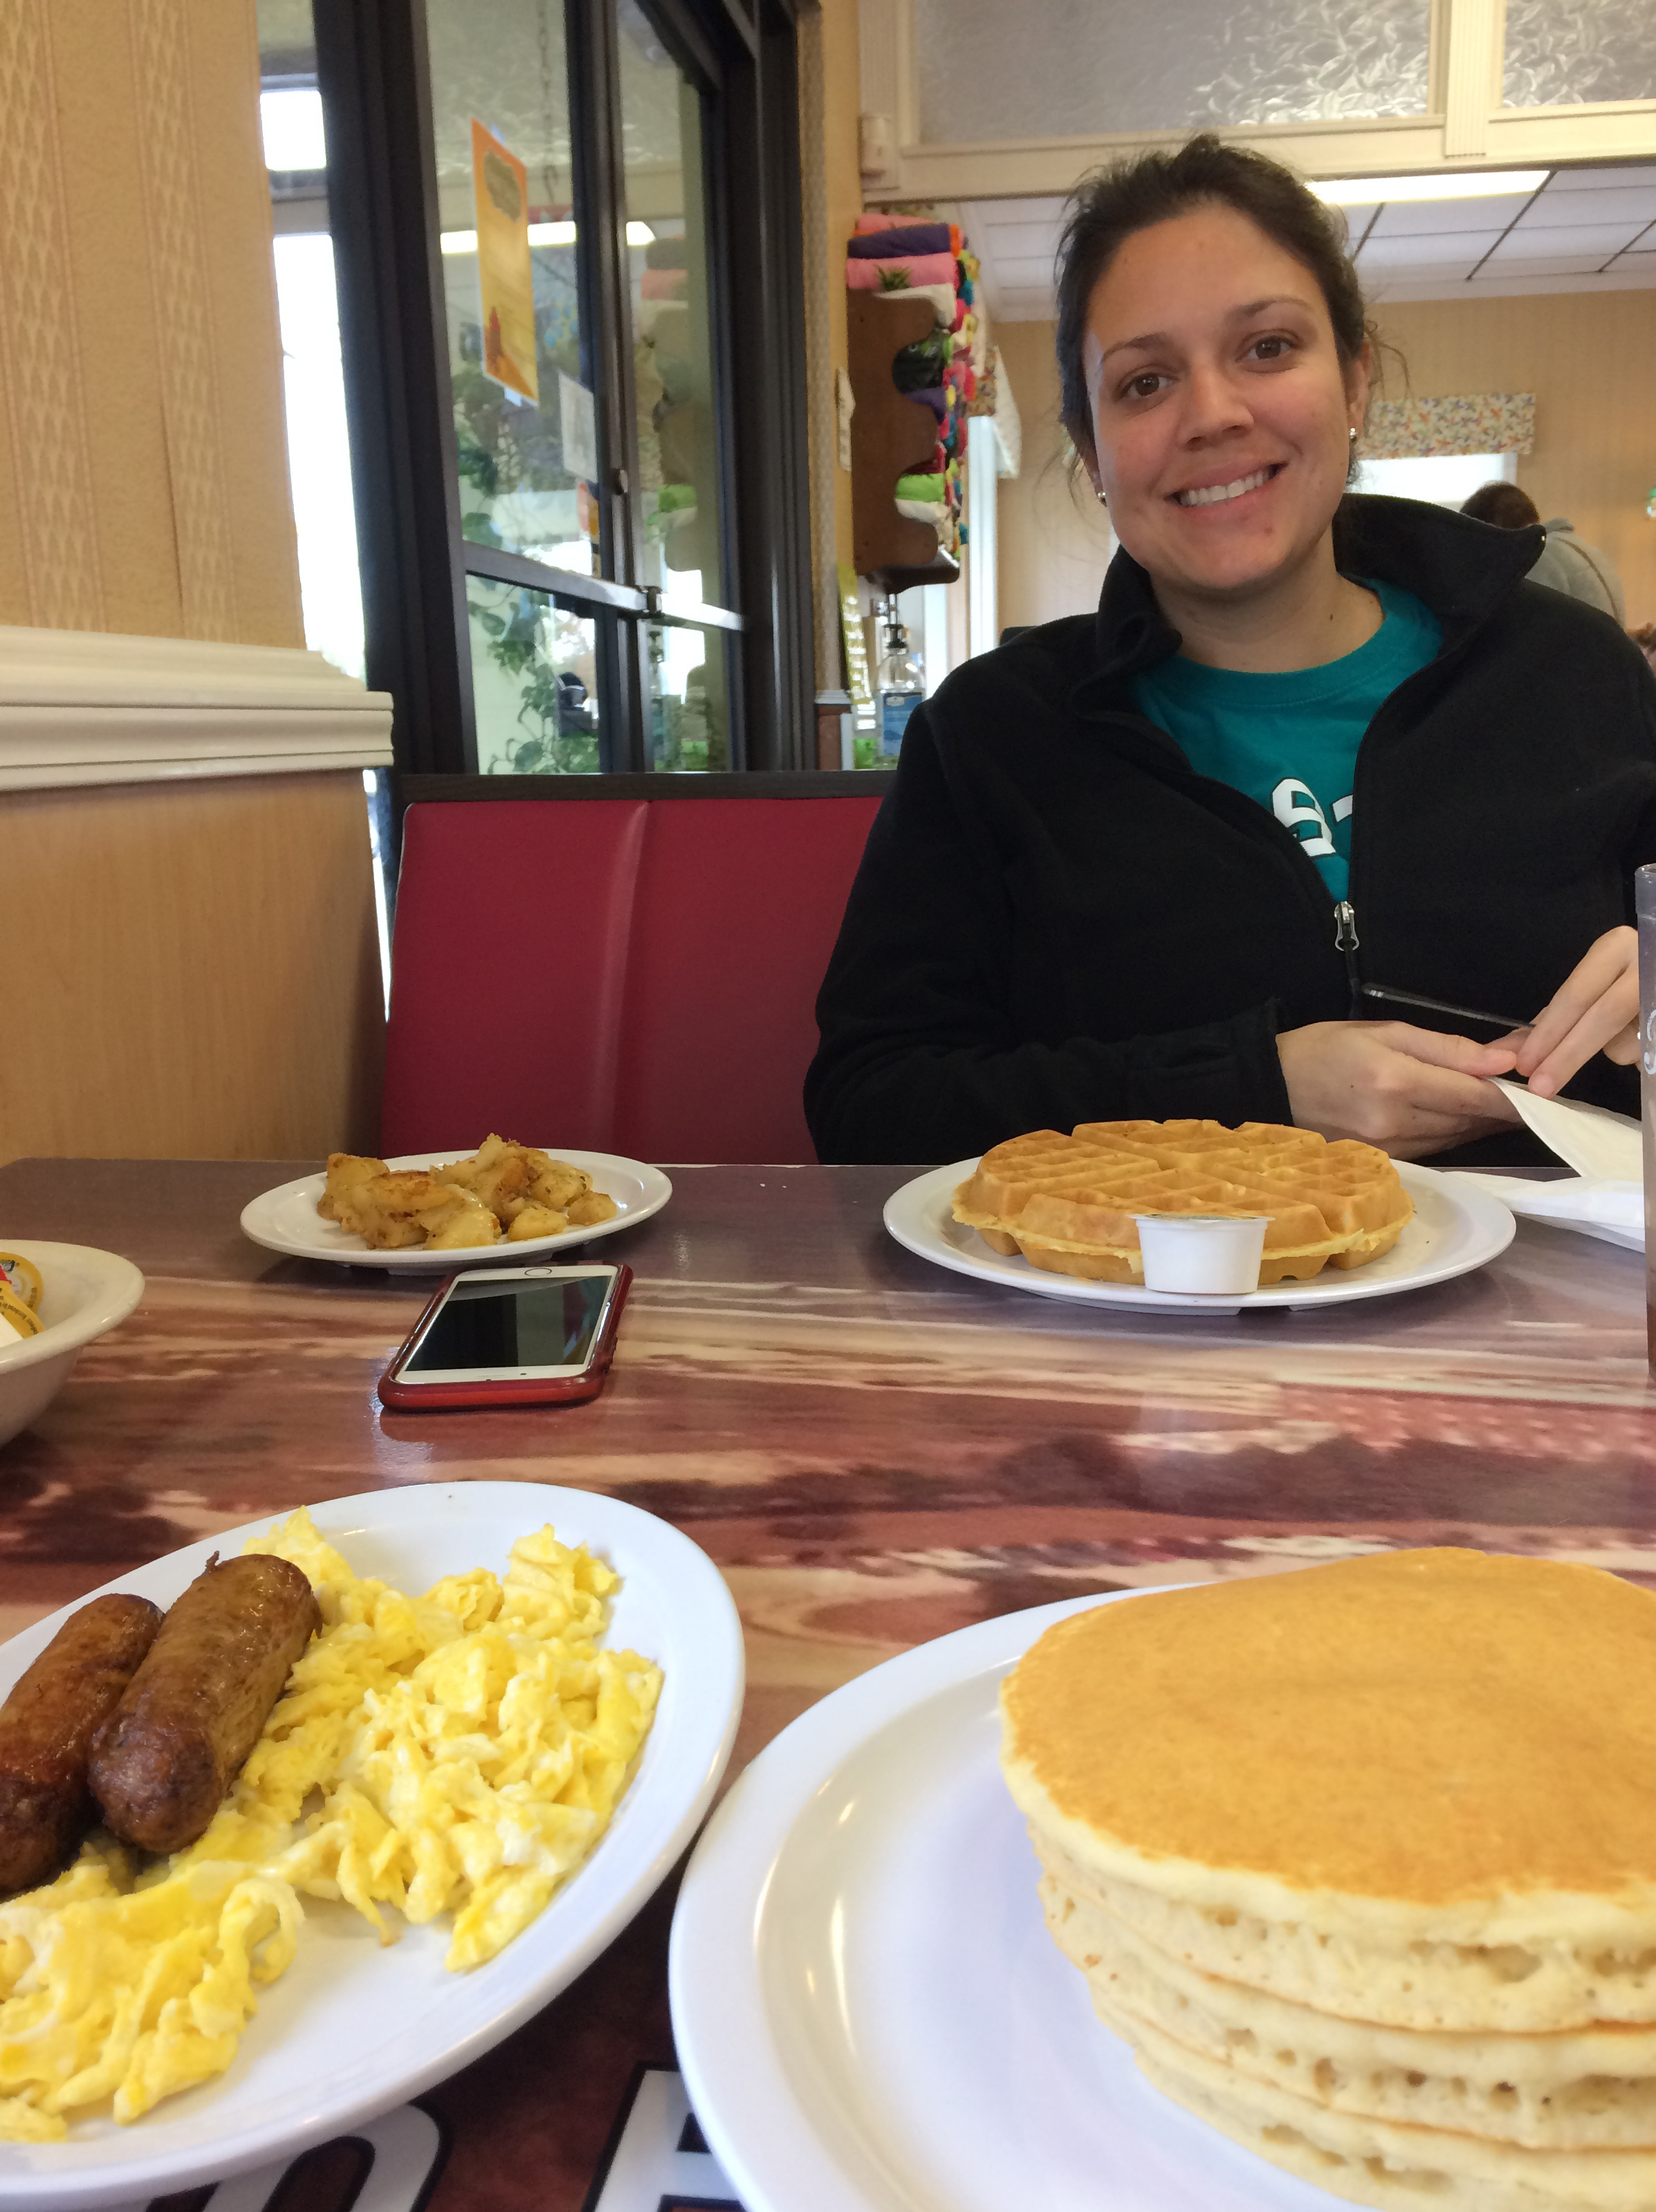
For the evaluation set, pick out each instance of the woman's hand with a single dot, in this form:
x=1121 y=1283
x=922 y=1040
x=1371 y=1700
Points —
x=1595 y=1009
x=1411 y=1091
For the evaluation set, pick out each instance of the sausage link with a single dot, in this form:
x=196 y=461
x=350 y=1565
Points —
x=47 y=1726
x=163 y=1760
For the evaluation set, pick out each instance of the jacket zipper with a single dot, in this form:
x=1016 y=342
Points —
x=1346 y=941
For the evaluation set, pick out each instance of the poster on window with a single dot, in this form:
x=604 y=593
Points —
x=505 y=275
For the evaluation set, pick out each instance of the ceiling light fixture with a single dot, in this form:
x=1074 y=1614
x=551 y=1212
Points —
x=640 y=233
x=457 y=241
x=1446 y=185
x=290 y=123
x=552 y=233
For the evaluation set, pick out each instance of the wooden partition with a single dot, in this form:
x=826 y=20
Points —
x=188 y=941
x=191 y=969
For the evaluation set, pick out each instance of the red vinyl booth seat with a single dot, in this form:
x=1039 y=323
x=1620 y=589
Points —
x=620 y=976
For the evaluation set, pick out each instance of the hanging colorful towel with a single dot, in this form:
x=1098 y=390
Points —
x=900 y=272
x=945 y=305
x=906 y=238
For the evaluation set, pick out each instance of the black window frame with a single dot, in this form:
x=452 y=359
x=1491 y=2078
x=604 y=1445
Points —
x=373 y=79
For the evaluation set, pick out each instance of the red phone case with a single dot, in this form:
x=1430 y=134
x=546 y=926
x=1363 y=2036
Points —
x=564 y=1390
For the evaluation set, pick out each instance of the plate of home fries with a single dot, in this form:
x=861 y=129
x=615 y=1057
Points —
x=426 y=1210
x=510 y=1708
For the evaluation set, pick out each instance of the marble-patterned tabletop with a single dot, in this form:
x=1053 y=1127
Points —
x=873 y=1450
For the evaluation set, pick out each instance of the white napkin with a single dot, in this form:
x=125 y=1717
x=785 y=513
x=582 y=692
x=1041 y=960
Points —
x=1606 y=1150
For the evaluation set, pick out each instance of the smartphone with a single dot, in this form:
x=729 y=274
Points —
x=510 y=1336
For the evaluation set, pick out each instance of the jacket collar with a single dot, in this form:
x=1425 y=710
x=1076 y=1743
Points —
x=1461 y=570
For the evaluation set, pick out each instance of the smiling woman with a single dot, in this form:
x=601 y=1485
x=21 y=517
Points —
x=1121 y=871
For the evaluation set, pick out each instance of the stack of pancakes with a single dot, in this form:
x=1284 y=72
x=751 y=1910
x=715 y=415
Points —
x=1362 y=1861
x=1068 y=1203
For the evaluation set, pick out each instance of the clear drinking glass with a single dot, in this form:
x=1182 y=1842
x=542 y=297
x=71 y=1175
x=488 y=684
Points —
x=1644 y=897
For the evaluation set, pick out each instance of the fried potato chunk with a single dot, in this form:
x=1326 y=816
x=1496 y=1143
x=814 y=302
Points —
x=536 y=1221
x=347 y=1171
x=465 y=1225
x=555 y=1183
x=588 y=1211
x=396 y=1209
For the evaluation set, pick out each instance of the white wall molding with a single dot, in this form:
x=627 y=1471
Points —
x=86 y=707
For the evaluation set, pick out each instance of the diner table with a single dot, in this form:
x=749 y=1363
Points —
x=873 y=1450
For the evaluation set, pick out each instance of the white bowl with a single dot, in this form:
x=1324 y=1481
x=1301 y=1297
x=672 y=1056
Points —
x=87 y=1292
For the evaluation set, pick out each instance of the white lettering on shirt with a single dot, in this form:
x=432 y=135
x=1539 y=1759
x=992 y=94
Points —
x=1320 y=846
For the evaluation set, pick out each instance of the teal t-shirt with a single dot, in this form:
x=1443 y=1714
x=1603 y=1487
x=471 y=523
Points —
x=1290 y=740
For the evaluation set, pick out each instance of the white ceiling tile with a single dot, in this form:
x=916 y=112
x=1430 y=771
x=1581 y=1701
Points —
x=1563 y=265
x=1416 y=218
x=1525 y=244
x=1030 y=210
x=1549 y=210
x=1031 y=241
x=1600 y=179
x=1461 y=247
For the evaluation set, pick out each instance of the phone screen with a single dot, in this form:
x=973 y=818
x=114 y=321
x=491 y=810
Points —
x=512 y=1326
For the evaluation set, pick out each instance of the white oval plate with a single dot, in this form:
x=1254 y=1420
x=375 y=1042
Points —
x=1456 y=1227
x=285 y=1219
x=351 y=2029
x=868 y=2010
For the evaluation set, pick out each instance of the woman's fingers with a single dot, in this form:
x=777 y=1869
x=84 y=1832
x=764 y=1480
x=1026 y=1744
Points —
x=1389 y=1084
x=1595 y=1009
x=1437 y=1049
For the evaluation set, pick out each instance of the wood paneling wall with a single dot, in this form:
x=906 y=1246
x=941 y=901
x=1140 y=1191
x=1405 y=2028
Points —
x=1590 y=359
x=192 y=968
x=144 y=482
x=1054 y=539
x=194 y=972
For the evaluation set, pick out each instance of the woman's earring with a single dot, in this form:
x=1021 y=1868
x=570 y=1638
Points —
x=1353 y=437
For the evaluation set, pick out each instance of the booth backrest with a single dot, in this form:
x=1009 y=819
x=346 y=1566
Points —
x=622 y=976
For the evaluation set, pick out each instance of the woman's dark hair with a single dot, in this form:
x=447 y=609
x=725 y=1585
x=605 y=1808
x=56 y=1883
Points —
x=1108 y=208
x=1504 y=505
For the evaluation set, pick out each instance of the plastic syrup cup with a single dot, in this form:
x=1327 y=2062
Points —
x=1214 y=1255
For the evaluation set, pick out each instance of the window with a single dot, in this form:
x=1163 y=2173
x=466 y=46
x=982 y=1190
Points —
x=578 y=444
x=1446 y=479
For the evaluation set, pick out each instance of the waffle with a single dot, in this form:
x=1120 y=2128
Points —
x=1068 y=1203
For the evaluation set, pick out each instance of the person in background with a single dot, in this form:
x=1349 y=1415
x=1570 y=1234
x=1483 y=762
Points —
x=1318 y=757
x=1565 y=563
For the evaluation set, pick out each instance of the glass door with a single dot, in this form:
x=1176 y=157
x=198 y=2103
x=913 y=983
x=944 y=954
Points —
x=593 y=550
x=572 y=483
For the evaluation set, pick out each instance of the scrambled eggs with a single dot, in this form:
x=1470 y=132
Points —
x=460 y=1751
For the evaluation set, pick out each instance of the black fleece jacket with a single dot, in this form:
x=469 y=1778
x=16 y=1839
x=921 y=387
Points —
x=1057 y=920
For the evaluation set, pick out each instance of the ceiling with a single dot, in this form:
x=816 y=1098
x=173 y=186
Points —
x=1584 y=230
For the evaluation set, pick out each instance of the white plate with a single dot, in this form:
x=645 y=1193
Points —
x=351 y=2029
x=1457 y=1227
x=286 y=1220
x=868 y=2010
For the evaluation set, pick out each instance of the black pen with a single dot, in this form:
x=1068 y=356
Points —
x=1440 y=1006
